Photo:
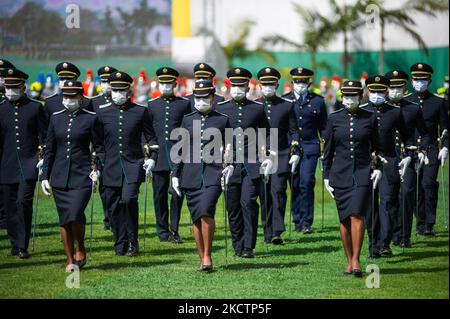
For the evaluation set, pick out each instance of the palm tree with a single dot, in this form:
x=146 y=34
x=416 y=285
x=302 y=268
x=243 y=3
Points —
x=403 y=18
x=237 y=46
x=314 y=36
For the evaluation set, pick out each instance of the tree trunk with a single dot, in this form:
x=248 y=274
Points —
x=382 y=39
x=346 y=58
x=312 y=60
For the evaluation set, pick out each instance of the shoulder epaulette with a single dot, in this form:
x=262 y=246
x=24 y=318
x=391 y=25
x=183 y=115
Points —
x=215 y=93
x=336 y=111
x=104 y=105
x=223 y=102
x=89 y=112
x=409 y=94
x=40 y=102
x=93 y=97
x=154 y=99
x=437 y=95
x=393 y=105
x=190 y=94
x=2 y=101
x=286 y=99
x=257 y=102
x=363 y=105
x=367 y=110
x=191 y=113
x=184 y=98
x=140 y=104
x=220 y=113
x=50 y=96
x=59 y=112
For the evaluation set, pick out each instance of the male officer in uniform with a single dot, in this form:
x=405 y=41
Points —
x=167 y=113
x=203 y=71
x=400 y=229
x=390 y=120
x=104 y=72
x=435 y=113
x=66 y=71
x=311 y=116
x=4 y=64
x=23 y=126
x=124 y=167
x=244 y=185
x=281 y=115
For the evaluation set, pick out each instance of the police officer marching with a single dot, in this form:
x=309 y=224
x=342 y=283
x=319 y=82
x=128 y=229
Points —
x=350 y=152
x=67 y=168
x=203 y=71
x=124 y=123
x=104 y=72
x=245 y=183
x=167 y=113
x=401 y=220
x=23 y=126
x=311 y=115
x=66 y=71
x=435 y=113
x=200 y=176
x=4 y=64
x=281 y=115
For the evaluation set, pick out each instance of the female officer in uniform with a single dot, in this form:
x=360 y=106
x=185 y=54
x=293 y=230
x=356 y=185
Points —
x=351 y=150
x=68 y=166
x=199 y=175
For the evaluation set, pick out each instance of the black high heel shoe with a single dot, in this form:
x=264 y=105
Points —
x=81 y=263
x=207 y=268
x=357 y=273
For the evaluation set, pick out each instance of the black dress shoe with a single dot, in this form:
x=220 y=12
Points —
x=347 y=273
x=207 y=268
x=420 y=232
x=396 y=242
x=298 y=229
x=429 y=232
x=357 y=273
x=247 y=253
x=165 y=239
x=2 y=225
x=386 y=251
x=14 y=252
x=277 y=240
x=307 y=229
x=23 y=254
x=106 y=227
x=406 y=244
x=80 y=263
x=176 y=238
x=132 y=251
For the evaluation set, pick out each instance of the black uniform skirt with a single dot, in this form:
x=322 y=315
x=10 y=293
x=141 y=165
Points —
x=71 y=203
x=202 y=202
x=352 y=201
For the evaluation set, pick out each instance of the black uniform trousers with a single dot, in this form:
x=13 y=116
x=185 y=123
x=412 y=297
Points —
x=2 y=212
x=276 y=203
x=373 y=223
x=161 y=184
x=123 y=204
x=389 y=211
x=428 y=192
x=243 y=209
x=107 y=213
x=403 y=225
x=18 y=205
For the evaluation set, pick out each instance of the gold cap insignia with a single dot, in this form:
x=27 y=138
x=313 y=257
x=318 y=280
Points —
x=202 y=66
x=1 y=62
x=70 y=83
x=300 y=70
x=238 y=71
x=200 y=85
x=420 y=66
x=10 y=71
x=164 y=70
x=107 y=68
x=119 y=75
x=65 y=65
x=395 y=73
x=350 y=83
x=377 y=79
x=267 y=70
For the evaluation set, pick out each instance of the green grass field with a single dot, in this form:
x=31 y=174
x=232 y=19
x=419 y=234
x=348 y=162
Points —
x=307 y=266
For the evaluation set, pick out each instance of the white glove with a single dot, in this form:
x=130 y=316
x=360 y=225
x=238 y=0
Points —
x=295 y=159
x=39 y=166
x=45 y=185
x=176 y=185
x=422 y=159
x=404 y=163
x=94 y=175
x=330 y=189
x=443 y=154
x=376 y=177
x=227 y=173
x=266 y=167
x=148 y=166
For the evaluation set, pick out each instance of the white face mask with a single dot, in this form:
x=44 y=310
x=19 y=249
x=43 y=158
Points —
x=300 y=88
x=351 y=103
x=377 y=98
x=61 y=83
x=202 y=104
x=268 y=90
x=420 y=85
x=238 y=92
x=13 y=94
x=396 y=94
x=106 y=87
x=71 y=104
x=119 y=97
x=166 y=89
